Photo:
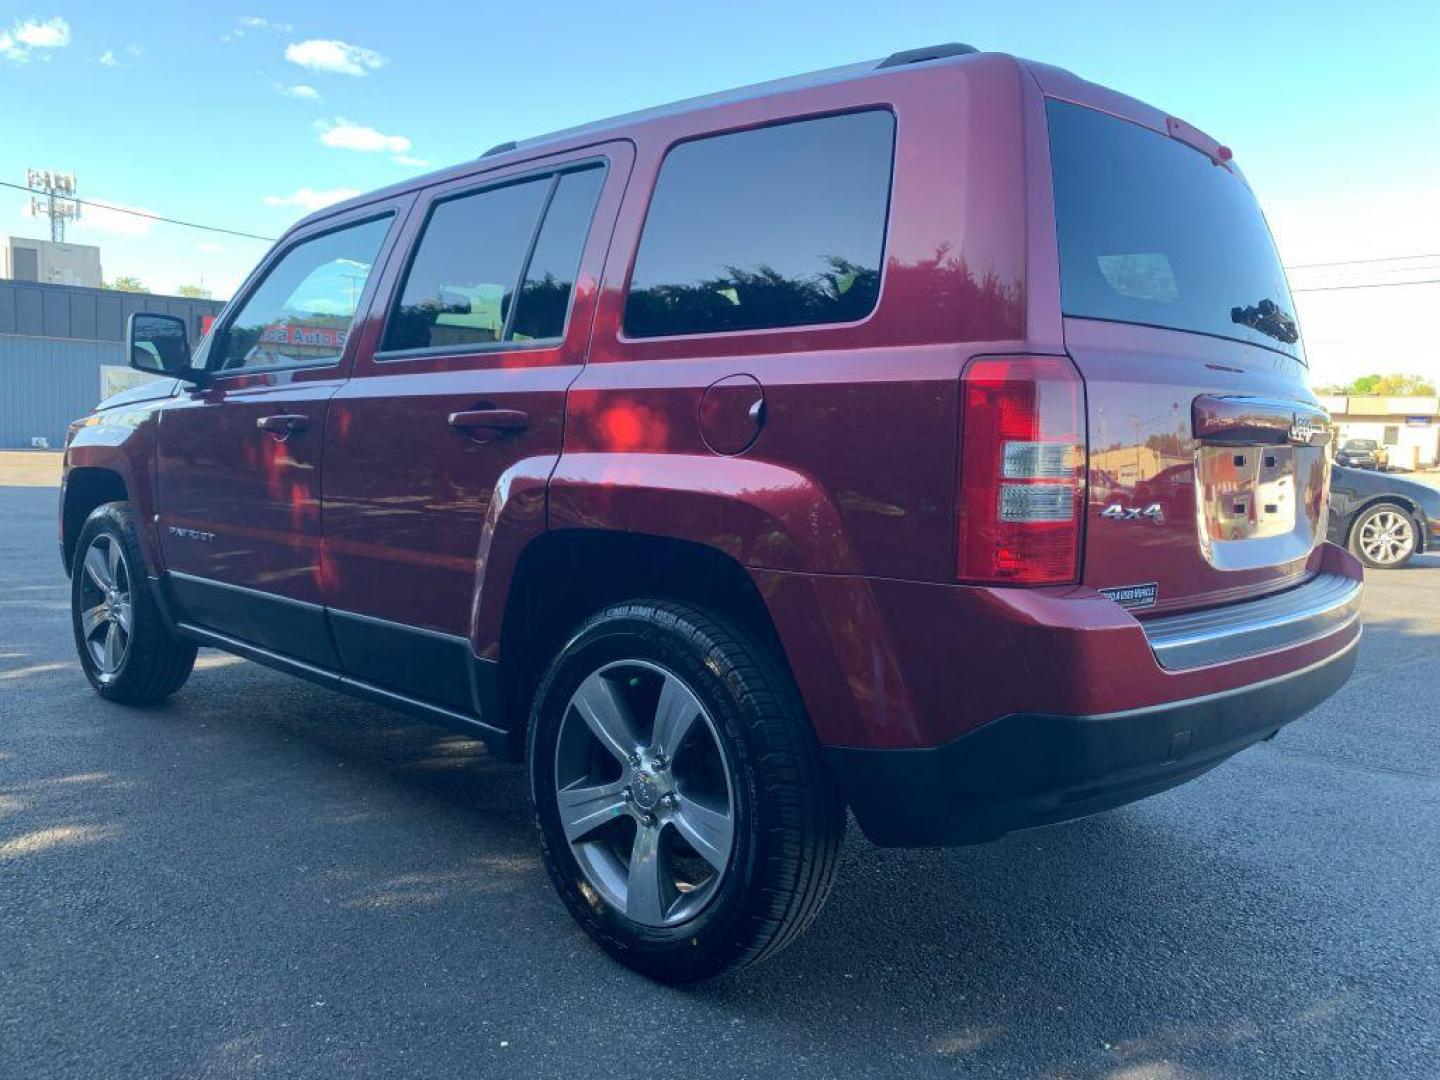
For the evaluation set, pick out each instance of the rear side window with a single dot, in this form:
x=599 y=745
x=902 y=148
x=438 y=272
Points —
x=302 y=311
x=477 y=249
x=777 y=226
x=1151 y=231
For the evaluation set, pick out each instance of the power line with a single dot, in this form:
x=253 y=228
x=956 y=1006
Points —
x=1349 y=273
x=143 y=214
x=1370 y=285
x=1357 y=262
x=270 y=240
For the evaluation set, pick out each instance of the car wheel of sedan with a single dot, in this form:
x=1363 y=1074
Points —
x=1383 y=537
x=126 y=650
x=686 y=816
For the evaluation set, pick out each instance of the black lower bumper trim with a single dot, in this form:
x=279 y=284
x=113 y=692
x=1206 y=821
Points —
x=1025 y=769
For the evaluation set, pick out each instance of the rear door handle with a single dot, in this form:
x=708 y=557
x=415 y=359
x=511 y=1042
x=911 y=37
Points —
x=284 y=424
x=490 y=420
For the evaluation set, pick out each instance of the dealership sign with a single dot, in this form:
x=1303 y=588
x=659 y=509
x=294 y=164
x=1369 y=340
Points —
x=323 y=336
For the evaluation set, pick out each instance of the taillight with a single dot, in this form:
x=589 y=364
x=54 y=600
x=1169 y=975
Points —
x=1022 y=471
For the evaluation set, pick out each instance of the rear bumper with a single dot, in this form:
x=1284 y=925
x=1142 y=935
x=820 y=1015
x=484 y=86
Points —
x=1028 y=769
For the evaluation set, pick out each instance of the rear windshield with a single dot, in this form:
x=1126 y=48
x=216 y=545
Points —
x=1151 y=231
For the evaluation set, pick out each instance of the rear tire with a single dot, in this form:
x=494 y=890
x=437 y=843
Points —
x=1384 y=536
x=767 y=816
x=126 y=650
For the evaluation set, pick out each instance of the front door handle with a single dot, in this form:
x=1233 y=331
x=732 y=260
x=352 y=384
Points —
x=490 y=420
x=284 y=425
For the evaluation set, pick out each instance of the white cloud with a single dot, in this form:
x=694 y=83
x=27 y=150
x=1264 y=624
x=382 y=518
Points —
x=406 y=159
x=339 y=57
x=24 y=37
x=346 y=135
x=109 y=59
x=252 y=22
x=50 y=34
x=309 y=199
x=210 y=247
x=300 y=90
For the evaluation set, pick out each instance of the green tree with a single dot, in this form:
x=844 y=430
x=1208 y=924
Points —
x=127 y=283
x=194 y=292
x=1404 y=386
x=1395 y=385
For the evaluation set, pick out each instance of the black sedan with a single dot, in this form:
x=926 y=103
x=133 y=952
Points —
x=1384 y=520
x=1362 y=454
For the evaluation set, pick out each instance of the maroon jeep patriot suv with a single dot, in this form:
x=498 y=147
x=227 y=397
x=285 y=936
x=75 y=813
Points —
x=926 y=437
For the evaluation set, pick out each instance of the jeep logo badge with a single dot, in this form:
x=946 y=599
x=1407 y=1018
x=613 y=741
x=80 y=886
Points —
x=1303 y=429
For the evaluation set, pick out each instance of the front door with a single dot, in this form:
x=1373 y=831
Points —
x=463 y=382
x=240 y=456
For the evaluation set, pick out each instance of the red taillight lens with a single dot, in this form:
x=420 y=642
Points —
x=1022 y=471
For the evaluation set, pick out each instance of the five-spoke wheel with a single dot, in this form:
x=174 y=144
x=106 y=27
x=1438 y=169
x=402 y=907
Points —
x=687 y=818
x=127 y=650
x=644 y=792
x=106 y=607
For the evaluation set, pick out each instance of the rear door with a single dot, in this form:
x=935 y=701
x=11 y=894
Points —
x=1207 y=466
x=240 y=456
x=460 y=385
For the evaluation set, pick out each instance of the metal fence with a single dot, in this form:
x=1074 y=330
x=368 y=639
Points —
x=56 y=342
x=47 y=382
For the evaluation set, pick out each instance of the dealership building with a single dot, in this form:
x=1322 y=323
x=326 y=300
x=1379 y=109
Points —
x=1409 y=427
x=62 y=350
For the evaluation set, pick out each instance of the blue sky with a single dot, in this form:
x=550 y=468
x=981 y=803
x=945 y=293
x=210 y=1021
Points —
x=191 y=111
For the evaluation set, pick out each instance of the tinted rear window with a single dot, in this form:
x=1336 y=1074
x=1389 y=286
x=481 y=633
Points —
x=1152 y=232
x=776 y=226
x=545 y=294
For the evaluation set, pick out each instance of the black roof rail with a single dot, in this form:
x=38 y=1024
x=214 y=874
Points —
x=929 y=52
x=500 y=148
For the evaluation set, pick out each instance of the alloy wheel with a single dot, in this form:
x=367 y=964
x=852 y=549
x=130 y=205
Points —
x=106 y=611
x=1387 y=537
x=644 y=792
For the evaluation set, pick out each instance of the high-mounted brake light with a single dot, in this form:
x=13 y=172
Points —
x=1022 y=471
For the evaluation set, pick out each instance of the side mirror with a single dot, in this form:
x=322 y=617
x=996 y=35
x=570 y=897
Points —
x=159 y=345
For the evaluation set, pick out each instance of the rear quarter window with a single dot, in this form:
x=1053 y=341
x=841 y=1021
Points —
x=771 y=227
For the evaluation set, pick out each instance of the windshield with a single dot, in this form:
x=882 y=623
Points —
x=1360 y=444
x=1151 y=231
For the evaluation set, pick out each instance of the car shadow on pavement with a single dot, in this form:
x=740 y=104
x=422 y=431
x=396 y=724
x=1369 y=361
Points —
x=1257 y=914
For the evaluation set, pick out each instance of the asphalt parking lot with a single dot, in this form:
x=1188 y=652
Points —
x=263 y=879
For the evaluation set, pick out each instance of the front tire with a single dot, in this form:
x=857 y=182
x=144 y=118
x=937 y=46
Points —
x=127 y=652
x=686 y=816
x=1384 y=536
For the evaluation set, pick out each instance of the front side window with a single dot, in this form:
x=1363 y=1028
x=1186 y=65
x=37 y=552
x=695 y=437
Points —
x=303 y=309
x=771 y=227
x=477 y=249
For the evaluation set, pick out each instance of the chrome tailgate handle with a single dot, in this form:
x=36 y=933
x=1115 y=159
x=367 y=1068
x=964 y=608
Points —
x=1256 y=421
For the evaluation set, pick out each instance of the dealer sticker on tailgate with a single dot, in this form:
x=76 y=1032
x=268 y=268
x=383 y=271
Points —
x=1133 y=596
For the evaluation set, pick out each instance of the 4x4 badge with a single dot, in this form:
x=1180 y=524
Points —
x=1153 y=513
